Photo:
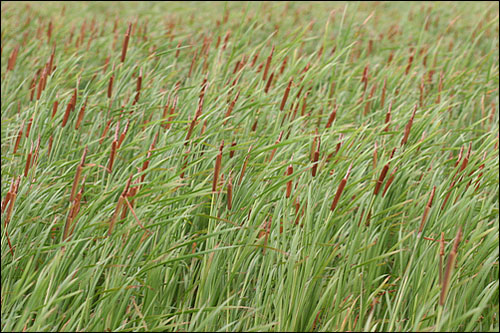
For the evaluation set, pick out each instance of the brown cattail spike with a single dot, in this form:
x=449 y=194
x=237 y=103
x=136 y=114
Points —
x=382 y=97
x=426 y=211
x=289 y=172
x=79 y=169
x=110 y=86
x=441 y=254
x=28 y=161
x=125 y=42
x=332 y=117
x=244 y=166
x=274 y=150
x=408 y=127
x=19 y=136
x=340 y=189
x=285 y=96
x=80 y=115
x=381 y=179
x=388 y=118
x=268 y=63
x=389 y=181
x=218 y=161
x=449 y=267
x=231 y=107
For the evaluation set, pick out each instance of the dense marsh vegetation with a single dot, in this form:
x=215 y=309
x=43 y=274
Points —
x=238 y=166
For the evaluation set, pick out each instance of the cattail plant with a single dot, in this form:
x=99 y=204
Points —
x=440 y=88
x=268 y=63
x=11 y=199
x=426 y=211
x=6 y=200
x=381 y=179
x=125 y=42
x=231 y=107
x=268 y=84
x=119 y=205
x=168 y=124
x=123 y=133
x=28 y=161
x=138 y=87
x=449 y=267
x=18 y=139
x=231 y=150
x=11 y=62
x=389 y=181
x=285 y=95
x=70 y=107
x=80 y=115
x=340 y=189
x=382 y=97
x=114 y=146
x=274 y=150
x=28 y=127
x=408 y=127
x=289 y=172
x=74 y=210
x=218 y=161
x=78 y=172
x=145 y=164
x=110 y=86
x=388 y=117
x=332 y=117
x=410 y=61
x=244 y=165
x=54 y=107
x=315 y=157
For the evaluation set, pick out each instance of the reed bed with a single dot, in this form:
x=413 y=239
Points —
x=357 y=189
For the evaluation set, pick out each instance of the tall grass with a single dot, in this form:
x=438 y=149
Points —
x=357 y=190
